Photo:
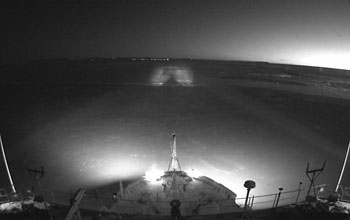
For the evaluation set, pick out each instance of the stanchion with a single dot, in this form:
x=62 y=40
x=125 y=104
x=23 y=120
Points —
x=279 y=195
x=249 y=184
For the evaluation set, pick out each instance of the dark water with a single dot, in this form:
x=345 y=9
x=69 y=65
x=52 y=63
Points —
x=94 y=123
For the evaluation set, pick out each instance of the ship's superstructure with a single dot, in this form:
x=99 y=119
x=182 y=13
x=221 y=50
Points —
x=191 y=195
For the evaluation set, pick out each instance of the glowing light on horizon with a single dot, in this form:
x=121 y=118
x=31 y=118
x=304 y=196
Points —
x=337 y=59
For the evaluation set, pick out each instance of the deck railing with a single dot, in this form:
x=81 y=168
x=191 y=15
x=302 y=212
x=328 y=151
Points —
x=99 y=202
x=4 y=196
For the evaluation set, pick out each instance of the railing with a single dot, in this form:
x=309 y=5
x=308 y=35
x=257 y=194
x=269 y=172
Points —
x=293 y=197
x=4 y=196
x=273 y=200
x=325 y=190
x=96 y=202
x=346 y=194
x=99 y=202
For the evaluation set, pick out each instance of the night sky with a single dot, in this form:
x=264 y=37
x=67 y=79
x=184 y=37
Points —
x=93 y=123
x=295 y=32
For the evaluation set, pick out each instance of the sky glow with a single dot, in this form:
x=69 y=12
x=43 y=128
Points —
x=326 y=58
x=94 y=123
x=292 y=32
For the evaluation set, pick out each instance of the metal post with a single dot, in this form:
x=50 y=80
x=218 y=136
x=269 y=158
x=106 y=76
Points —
x=121 y=189
x=74 y=206
x=315 y=173
x=252 y=202
x=7 y=167
x=296 y=200
x=44 y=197
x=274 y=201
x=342 y=171
x=246 y=200
x=311 y=184
x=39 y=174
x=278 y=197
x=249 y=184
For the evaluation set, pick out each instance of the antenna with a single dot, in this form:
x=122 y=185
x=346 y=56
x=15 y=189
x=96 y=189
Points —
x=174 y=164
x=38 y=175
x=342 y=170
x=312 y=175
x=7 y=167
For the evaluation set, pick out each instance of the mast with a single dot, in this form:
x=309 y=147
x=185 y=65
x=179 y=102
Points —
x=342 y=170
x=7 y=167
x=174 y=164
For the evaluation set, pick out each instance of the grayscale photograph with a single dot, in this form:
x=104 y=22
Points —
x=175 y=110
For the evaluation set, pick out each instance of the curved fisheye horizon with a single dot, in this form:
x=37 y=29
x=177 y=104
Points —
x=290 y=32
x=321 y=60
x=229 y=124
x=151 y=108
x=106 y=125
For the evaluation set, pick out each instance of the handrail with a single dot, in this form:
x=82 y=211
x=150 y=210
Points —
x=259 y=201
x=265 y=201
x=4 y=196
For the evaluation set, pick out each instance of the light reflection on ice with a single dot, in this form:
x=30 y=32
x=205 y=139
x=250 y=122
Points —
x=172 y=75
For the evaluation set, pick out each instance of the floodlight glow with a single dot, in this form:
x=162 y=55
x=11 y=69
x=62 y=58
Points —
x=158 y=77
x=153 y=174
x=181 y=75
